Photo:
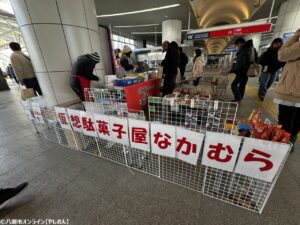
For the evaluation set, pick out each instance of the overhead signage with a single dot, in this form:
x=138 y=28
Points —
x=237 y=31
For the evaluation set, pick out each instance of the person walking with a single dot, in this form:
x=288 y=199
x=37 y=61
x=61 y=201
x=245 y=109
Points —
x=198 y=67
x=271 y=64
x=170 y=65
x=82 y=73
x=287 y=91
x=244 y=56
x=183 y=61
x=10 y=72
x=23 y=68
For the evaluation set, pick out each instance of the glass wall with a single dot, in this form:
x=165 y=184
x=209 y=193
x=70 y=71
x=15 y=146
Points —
x=120 y=41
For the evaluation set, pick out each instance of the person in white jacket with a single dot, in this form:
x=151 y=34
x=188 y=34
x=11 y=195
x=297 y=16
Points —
x=198 y=67
x=23 y=68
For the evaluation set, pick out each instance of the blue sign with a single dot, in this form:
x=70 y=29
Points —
x=286 y=36
x=198 y=36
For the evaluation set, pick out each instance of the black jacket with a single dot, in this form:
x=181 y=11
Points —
x=125 y=63
x=171 y=61
x=84 y=66
x=183 y=60
x=270 y=59
x=244 y=57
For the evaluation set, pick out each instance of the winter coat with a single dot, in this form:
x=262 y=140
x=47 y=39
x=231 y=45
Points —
x=171 y=61
x=183 y=60
x=288 y=87
x=198 y=67
x=22 y=66
x=84 y=67
x=126 y=64
x=270 y=59
x=244 y=57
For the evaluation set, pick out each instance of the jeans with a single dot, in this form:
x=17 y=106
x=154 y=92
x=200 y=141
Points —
x=289 y=118
x=33 y=83
x=265 y=82
x=238 y=86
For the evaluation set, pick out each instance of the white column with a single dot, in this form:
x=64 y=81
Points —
x=256 y=39
x=288 y=18
x=56 y=32
x=171 y=31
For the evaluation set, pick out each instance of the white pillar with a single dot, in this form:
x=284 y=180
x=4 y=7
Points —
x=288 y=18
x=56 y=32
x=171 y=31
x=256 y=39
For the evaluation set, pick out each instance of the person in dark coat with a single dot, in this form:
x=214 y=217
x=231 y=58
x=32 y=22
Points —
x=182 y=63
x=10 y=72
x=244 y=57
x=170 y=65
x=82 y=73
x=271 y=64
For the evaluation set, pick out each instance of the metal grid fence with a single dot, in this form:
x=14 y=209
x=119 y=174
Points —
x=193 y=114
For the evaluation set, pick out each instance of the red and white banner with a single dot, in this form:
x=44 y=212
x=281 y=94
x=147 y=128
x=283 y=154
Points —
x=119 y=130
x=37 y=113
x=75 y=121
x=88 y=124
x=221 y=150
x=139 y=133
x=103 y=126
x=189 y=145
x=261 y=159
x=63 y=118
x=163 y=140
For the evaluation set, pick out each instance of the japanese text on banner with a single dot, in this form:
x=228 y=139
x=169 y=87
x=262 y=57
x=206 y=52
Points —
x=103 y=126
x=119 y=130
x=74 y=116
x=88 y=124
x=221 y=150
x=139 y=133
x=63 y=118
x=163 y=140
x=189 y=145
x=261 y=159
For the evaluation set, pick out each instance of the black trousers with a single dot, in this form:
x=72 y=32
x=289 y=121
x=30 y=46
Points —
x=182 y=72
x=238 y=86
x=289 y=118
x=76 y=87
x=33 y=83
x=169 y=84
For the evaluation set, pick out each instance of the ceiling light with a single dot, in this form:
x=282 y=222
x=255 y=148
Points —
x=140 y=11
x=144 y=25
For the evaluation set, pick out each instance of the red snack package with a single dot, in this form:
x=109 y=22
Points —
x=266 y=135
x=278 y=134
x=286 y=137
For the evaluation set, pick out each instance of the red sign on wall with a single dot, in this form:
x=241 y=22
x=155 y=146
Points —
x=241 y=31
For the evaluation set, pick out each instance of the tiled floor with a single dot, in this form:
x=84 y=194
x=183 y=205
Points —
x=88 y=190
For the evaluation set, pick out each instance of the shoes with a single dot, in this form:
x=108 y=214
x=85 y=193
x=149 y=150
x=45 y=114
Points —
x=235 y=100
x=260 y=99
x=8 y=193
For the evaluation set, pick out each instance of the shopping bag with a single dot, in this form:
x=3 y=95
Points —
x=27 y=93
x=254 y=70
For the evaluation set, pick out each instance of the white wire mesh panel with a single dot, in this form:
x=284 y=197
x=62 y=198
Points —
x=112 y=151
x=192 y=113
x=182 y=173
x=106 y=101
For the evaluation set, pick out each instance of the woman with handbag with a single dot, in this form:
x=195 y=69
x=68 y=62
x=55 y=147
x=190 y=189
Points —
x=288 y=88
x=270 y=66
